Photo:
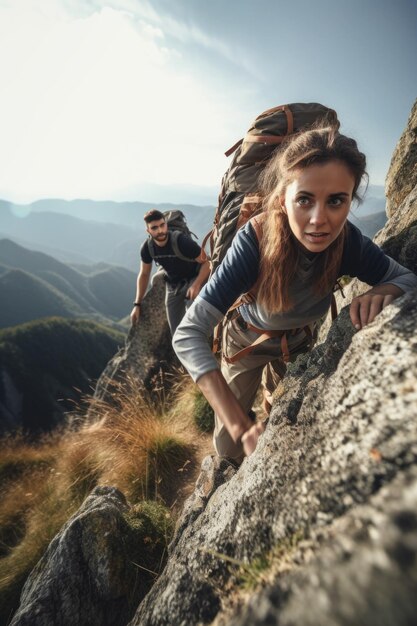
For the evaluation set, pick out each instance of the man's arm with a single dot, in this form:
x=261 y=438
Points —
x=141 y=287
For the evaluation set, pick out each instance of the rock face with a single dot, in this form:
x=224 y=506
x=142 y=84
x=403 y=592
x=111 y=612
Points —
x=89 y=574
x=335 y=475
x=343 y=428
x=402 y=175
x=398 y=238
x=364 y=572
x=148 y=347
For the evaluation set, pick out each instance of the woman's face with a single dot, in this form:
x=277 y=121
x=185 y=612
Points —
x=317 y=203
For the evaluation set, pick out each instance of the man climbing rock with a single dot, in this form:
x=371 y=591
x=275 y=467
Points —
x=185 y=267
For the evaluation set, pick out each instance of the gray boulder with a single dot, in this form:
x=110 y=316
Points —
x=96 y=570
x=148 y=350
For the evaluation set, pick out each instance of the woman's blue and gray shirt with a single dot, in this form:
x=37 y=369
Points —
x=238 y=273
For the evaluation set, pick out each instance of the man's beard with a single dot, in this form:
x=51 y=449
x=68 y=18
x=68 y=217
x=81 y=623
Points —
x=161 y=237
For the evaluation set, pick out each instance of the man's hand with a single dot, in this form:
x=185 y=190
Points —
x=193 y=291
x=250 y=438
x=135 y=315
x=365 y=308
x=195 y=288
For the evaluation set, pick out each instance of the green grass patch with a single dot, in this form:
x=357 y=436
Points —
x=167 y=456
x=203 y=413
x=248 y=576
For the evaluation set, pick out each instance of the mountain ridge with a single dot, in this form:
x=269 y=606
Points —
x=57 y=289
x=93 y=231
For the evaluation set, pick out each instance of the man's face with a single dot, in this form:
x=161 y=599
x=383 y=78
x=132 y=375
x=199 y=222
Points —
x=158 y=230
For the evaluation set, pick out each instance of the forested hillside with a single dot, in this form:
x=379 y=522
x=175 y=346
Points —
x=45 y=368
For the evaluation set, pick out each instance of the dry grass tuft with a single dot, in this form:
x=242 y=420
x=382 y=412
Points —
x=149 y=451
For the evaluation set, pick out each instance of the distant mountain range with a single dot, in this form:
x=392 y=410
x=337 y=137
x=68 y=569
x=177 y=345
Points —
x=86 y=231
x=369 y=224
x=68 y=238
x=35 y=285
x=128 y=214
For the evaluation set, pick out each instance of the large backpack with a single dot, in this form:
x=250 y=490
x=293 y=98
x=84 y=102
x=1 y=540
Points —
x=239 y=197
x=177 y=224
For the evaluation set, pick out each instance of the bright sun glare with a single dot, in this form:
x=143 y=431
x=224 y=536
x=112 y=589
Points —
x=98 y=104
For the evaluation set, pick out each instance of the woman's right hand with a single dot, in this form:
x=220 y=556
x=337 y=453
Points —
x=250 y=438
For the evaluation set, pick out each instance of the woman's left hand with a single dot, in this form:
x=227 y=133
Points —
x=365 y=308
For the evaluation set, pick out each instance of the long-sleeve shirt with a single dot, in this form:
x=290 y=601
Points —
x=238 y=273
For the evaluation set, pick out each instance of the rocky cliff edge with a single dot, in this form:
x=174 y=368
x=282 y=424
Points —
x=320 y=523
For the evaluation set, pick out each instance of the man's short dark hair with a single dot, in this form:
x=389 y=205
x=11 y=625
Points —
x=153 y=215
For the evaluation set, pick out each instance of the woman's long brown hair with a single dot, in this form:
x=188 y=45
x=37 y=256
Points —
x=279 y=252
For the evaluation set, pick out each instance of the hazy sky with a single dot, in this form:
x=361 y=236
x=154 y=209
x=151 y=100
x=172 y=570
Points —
x=98 y=96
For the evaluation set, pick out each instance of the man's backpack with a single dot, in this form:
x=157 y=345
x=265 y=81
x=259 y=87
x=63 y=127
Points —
x=177 y=224
x=239 y=197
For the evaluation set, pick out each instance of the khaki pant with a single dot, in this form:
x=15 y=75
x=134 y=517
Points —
x=264 y=364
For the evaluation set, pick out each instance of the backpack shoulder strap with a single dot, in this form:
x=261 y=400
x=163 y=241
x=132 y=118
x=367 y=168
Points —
x=151 y=248
x=257 y=222
x=174 y=235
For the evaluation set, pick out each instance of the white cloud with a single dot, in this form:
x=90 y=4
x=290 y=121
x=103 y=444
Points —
x=99 y=103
